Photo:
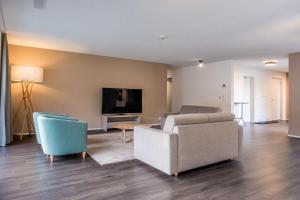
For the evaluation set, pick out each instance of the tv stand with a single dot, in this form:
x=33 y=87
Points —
x=109 y=120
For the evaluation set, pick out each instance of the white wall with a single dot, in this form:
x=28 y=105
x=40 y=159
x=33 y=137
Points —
x=203 y=86
x=262 y=90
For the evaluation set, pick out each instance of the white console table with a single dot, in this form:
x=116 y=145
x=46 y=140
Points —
x=109 y=120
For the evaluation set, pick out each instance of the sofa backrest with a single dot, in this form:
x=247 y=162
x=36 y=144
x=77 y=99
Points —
x=207 y=143
x=196 y=118
x=188 y=109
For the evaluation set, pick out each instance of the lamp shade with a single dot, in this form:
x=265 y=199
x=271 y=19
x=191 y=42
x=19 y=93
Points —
x=26 y=73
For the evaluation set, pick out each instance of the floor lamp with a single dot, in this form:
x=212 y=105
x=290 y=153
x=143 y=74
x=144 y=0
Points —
x=27 y=76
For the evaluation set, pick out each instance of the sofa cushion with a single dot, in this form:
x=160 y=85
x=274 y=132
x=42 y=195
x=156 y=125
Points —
x=196 y=118
x=220 y=117
x=187 y=109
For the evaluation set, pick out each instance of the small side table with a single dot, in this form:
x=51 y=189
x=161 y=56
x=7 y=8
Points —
x=241 y=118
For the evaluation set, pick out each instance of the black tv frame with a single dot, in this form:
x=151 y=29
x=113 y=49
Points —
x=121 y=113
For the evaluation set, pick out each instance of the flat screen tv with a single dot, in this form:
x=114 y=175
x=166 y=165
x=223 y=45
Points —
x=121 y=101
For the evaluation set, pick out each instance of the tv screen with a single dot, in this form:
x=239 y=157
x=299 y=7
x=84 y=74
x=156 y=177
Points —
x=119 y=100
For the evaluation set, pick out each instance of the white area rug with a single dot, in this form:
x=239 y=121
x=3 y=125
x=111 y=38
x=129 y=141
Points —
x=109 y=148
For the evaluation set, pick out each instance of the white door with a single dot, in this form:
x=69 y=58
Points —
x=276 y=99
x=249 y=99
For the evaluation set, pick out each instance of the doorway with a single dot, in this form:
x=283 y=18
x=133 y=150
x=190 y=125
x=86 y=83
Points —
x=248 y=99
x=276 y=99
x=169 y=90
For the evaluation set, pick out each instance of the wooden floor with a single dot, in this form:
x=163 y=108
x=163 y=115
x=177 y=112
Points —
x=269 y=168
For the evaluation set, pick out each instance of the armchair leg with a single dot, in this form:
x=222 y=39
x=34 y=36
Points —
x=51 y=158
x=83 y=154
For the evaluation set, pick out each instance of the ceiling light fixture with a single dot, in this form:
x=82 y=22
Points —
x=270 y=63
x=200 y=63
x=39 y=4
x=163 y=37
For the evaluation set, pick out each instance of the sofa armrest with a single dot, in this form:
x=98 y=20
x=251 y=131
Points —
x=156 y=148
x=163 y=117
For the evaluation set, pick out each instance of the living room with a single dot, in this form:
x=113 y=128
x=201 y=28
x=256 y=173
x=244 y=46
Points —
x=131 y=100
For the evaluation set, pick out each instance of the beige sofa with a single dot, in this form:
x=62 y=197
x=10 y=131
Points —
x=188 y=141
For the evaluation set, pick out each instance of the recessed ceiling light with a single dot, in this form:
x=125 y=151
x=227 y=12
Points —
x=39 y=4
x=200 y=63
x=163 y=37
x=270 y=63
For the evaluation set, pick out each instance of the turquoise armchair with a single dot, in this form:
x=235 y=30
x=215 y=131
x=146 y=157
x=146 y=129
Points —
x=62 y=136
x=36 y=127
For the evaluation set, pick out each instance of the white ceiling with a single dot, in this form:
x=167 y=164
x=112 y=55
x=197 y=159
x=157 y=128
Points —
x=211 y=30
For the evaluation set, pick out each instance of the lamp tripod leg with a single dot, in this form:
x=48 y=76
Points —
x=28 y=107
x=24 y=120
x=30 y=104
x=17 y=112
x=23 y=124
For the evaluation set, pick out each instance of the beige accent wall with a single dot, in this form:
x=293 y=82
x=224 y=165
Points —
x=294 y=94
x=73 y=81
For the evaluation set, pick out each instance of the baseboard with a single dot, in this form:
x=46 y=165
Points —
x=95 y=129
x=90 y=129
x=268 y=122
x=293 y=136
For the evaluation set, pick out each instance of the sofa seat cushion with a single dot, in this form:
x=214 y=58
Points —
x=196 y=118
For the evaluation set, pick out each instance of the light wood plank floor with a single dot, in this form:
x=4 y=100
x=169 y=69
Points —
x=269 y=168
